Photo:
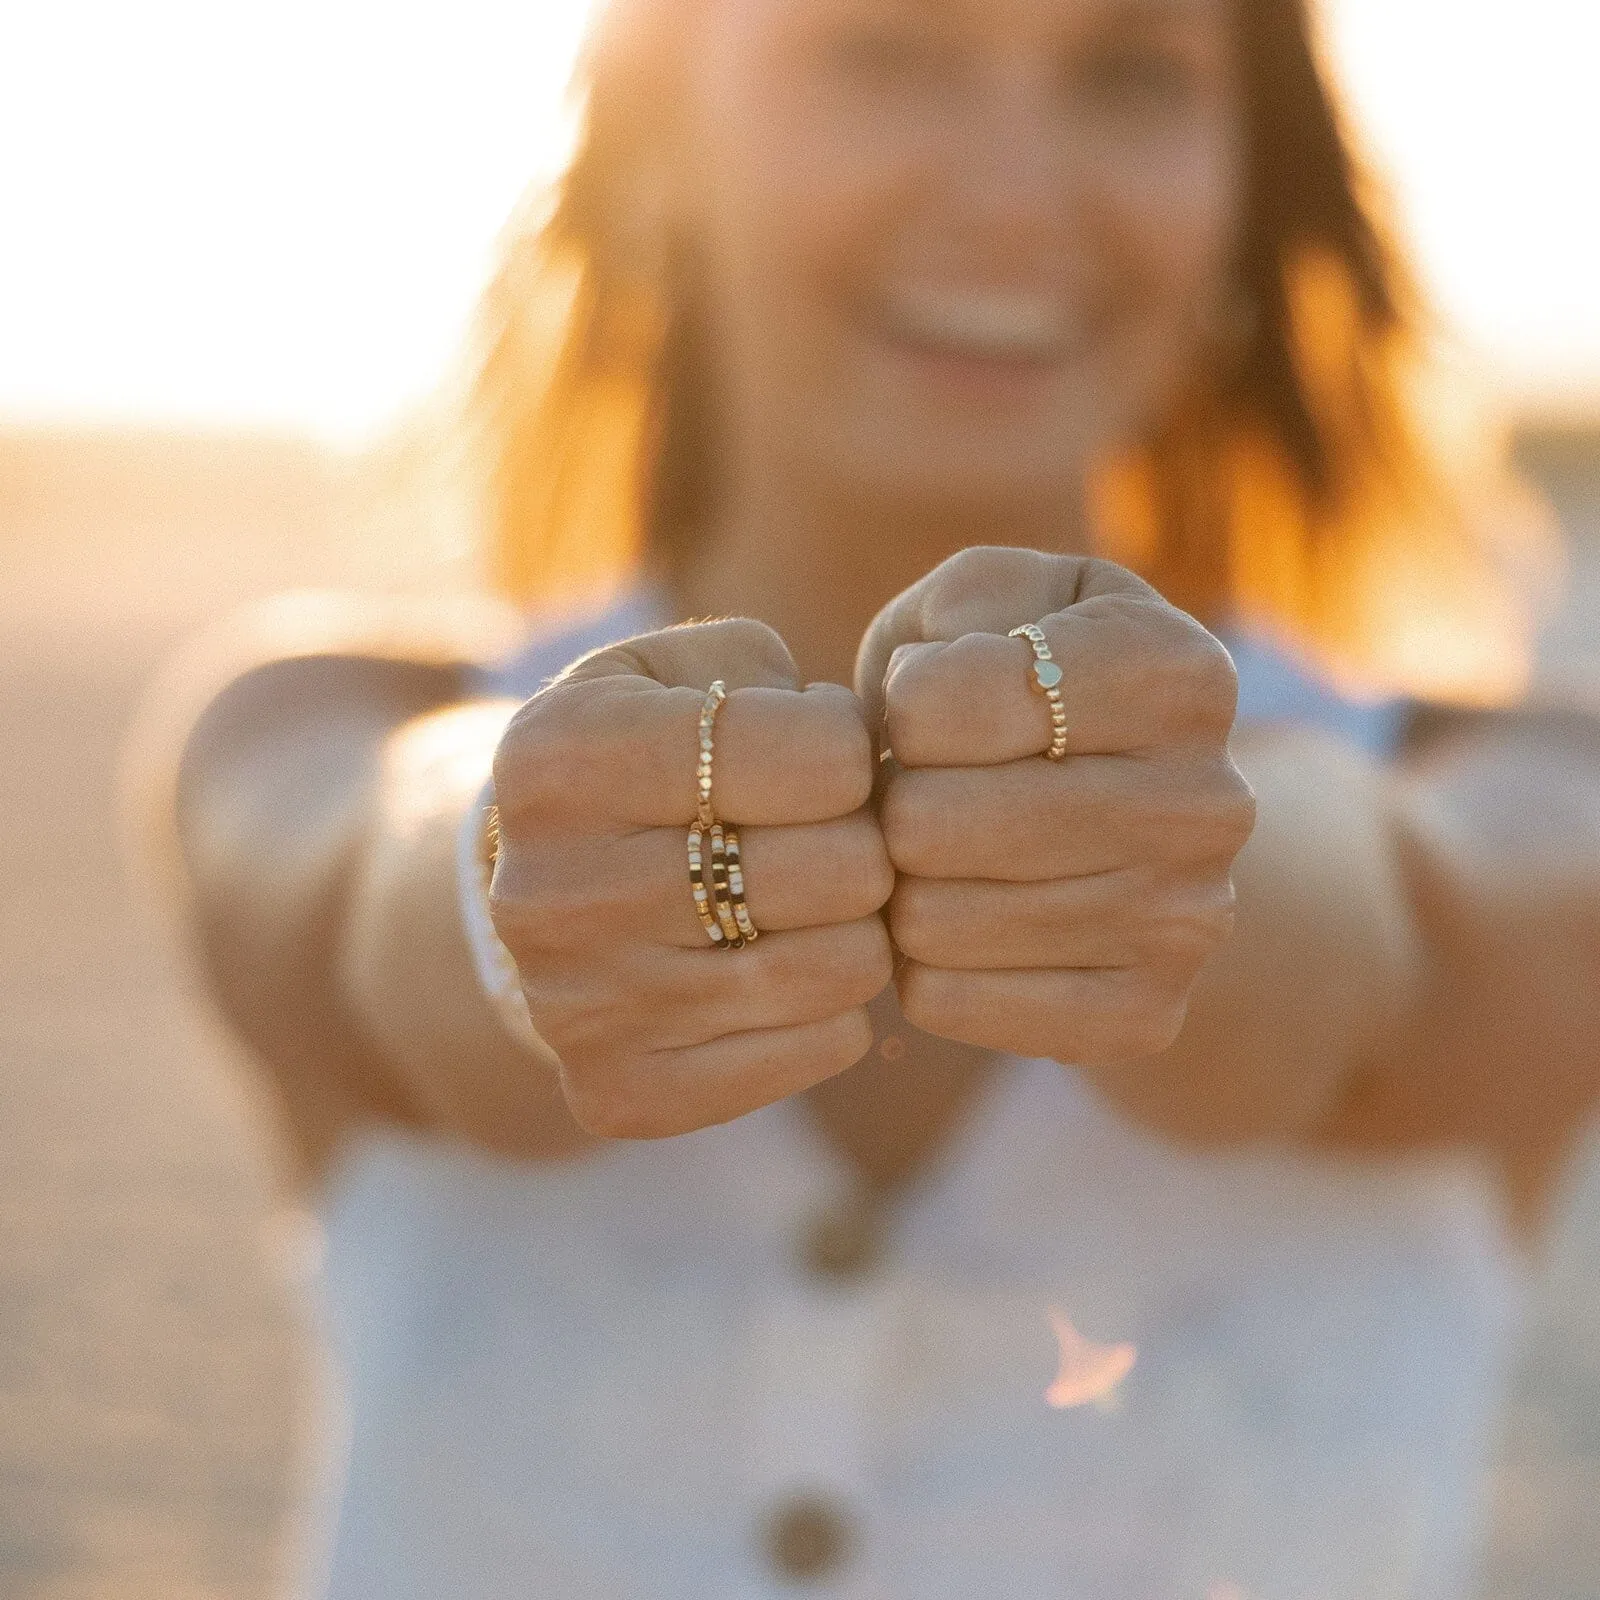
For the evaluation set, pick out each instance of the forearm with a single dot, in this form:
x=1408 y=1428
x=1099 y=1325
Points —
x=1324 y=959
x=404 y=962
x=1499 y=821
x=1417 y=955
x=261 y=792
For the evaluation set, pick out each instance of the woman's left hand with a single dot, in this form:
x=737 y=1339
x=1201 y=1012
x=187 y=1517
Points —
x=1053 y=908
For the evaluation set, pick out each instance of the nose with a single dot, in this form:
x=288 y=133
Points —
x=1012 y=168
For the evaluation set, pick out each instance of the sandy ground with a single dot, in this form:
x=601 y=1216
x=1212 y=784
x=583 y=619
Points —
x=151 y=1365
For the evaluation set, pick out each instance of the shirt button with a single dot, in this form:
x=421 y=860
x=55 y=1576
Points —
x=808 y=1538
x=844 y=1244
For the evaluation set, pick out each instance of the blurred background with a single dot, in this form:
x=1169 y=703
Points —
x=238 y=249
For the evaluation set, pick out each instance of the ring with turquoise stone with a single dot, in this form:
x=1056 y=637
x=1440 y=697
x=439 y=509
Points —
x=1047 y=680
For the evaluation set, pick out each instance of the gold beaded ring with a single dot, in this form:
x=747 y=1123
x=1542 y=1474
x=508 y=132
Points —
x=701 y=889
x=721 y=900
x=1047 y=680
x=741 y=912
x=716 y=695
x=716 y=874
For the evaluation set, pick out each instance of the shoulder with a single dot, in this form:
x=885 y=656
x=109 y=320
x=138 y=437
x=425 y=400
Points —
x=548 y=651
x=298 y=654
x=1278 y=684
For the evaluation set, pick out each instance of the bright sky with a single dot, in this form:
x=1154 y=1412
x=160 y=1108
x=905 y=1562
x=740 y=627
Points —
x=280 y=214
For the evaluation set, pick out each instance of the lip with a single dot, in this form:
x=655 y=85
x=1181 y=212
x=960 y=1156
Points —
x=997 y=324
x=976 y=378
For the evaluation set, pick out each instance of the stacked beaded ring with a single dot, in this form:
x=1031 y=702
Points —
x=721 y=900
x=741 y=912
x=1047 y=680
x=699 y=884
x=716 y=874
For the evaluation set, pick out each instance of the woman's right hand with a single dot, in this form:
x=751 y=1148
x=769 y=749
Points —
x=659 y=1032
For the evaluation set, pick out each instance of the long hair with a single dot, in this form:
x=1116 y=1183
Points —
x=1318 y=482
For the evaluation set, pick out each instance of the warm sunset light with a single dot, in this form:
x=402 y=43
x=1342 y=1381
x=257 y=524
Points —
x=245 y=214
x=1090 y=1373
x=281 y=215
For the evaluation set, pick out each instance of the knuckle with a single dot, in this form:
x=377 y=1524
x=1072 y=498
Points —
x=538 y=916
x=578 y=1028
x=867 y=958
x=759 y=641
x=862 y=869
x=1140 y=1026
x=977 y=565
x=1182 y=937
x=841 y=751
x=604 y=1105
x=914 y=700
x=532 y=754
x=938 y=688
x=826 y=971
x=517 y=924
x=1227 y=812
x=985 y=570
x=1204 y=680
x=916 y=920
x=910 y=826
x=740 y=648
x=928 y=998
x=1199 y=813
x=846 y=1039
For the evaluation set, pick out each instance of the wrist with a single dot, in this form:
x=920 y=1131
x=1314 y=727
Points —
x=477 y=845
x=407 y=969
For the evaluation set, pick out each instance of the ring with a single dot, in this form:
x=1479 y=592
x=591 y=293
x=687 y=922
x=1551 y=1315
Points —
x=702 y=890
x=1047 y=680
x=709 y=707
x=741 y=912
x=721 y=900
x=716 y=872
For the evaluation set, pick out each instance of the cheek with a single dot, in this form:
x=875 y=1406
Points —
x=789 y=200
x=1169 y=214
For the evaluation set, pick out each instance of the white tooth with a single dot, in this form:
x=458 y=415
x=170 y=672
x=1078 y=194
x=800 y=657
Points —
x=991 y=321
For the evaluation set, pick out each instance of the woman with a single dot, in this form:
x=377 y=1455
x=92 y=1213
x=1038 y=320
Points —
x=887 y=323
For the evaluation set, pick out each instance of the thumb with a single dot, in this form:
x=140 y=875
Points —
x=743 y=653
x=987 y=589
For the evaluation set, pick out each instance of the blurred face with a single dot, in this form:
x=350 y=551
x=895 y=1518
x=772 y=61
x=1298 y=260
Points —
x=953 y=249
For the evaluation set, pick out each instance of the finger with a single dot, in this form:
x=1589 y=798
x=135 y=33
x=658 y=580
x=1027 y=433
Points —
x=601 y=889
x=1085 y=1018
x=784 y=980
x=987 y=589
x=1035 y=820
x=669 y=1092
x=597 y=1004
x=1112 y=919
x=621 y=751
x=1136 y=674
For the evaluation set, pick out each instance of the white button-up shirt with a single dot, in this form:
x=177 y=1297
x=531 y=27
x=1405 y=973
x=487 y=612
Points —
x=625 y=1377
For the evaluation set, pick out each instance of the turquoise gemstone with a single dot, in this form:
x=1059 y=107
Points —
x=1046 y=674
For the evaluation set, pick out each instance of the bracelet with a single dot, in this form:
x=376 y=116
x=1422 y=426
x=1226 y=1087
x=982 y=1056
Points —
x=477 y=846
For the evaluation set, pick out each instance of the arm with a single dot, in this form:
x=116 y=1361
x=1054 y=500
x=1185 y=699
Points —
x=1414 y=951
x=1416 y=959
x=1497 y=818
x=292 y=806
x=1324 y=958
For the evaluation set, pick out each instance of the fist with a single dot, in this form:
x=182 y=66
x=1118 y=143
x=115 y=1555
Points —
x=1053 y=908
x=658 y=1032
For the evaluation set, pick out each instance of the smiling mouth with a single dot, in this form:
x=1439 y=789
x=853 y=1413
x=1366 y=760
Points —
x=982 y=325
